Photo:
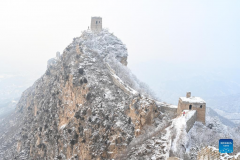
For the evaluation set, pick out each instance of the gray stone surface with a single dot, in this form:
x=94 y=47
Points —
x=190 y=122
x=171 y=110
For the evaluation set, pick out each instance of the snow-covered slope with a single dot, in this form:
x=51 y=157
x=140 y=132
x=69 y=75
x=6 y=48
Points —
x=88 y=105
x=78 y=109
x=208 y=135
x=104 y=43
x=214 y=113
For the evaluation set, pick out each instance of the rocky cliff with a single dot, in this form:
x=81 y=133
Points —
x=81 y=109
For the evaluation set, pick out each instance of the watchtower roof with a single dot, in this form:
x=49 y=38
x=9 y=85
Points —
x=192 y=100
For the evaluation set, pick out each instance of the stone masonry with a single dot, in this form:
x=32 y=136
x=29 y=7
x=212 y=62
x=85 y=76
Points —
x=96 y=24
x=192 y=103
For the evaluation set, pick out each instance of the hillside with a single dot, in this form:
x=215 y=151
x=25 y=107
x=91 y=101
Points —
x=12 y=84
x=89 y=105
x=202 y=136
x=7 y=108
x=81 y=109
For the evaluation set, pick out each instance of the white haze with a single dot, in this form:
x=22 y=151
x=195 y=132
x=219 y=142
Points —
x=174 y=46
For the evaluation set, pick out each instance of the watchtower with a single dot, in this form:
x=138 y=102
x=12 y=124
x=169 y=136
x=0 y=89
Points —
x=96 y=24
x=192 y=103
x=58 y=55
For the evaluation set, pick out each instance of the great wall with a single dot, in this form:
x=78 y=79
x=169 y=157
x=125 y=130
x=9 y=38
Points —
x=140 y=111
x=211 y=153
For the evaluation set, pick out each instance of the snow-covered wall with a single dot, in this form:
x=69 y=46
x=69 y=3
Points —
x=118 y=82
x=191 y=117
x=171 y=110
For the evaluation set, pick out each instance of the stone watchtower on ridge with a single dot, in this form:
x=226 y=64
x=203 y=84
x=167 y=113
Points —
x=96 y=24
x=192 y=103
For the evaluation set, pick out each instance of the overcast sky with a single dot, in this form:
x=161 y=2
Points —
x=200 y=33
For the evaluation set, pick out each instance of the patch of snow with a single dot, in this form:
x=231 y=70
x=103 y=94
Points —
x=103 y=43
x=172 y=106
x=189 y=114
x=119 y=123
x=192 y=99
x=132 y=91
x=63 y=126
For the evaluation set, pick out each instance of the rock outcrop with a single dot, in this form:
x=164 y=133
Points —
x=76 y=110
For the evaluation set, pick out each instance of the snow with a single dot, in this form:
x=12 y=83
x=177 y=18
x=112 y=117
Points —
x=189 y=114
x=172 y=106
x=224 y=156
x=203 y=135
x=125 y=86
x=103 y=43
x=168 y=136
x=180 y=125
x=119 y=123
x=132 y=91
x=108 y=94
x=51 y=61
x=159 y=104
x=63 y=126
x=153 y=157
x=233 y=116
x=192 y=99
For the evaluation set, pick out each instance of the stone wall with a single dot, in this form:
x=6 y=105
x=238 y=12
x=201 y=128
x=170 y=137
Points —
x=211 y=153
x=146 y=112
x=118 y=82
x=171 y=110
x=191 y=118
x=201 y=112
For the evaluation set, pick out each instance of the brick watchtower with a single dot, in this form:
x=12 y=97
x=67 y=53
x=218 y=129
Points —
x=96 y=24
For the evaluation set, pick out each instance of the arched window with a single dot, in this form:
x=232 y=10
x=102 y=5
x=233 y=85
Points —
x=99 y=21
x=96 y=22
x=190 y=107
x=201 y=106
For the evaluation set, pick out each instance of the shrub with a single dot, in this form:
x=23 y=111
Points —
x=84 y=112
x=85 y=80
x=80 y=70
x=80 y=129
x=81 y=81
x=90 y=119
x=66 y=77
x=88 y=97
x=77 y=115
x=129 y=120
x=83 y=141
x=73 y=142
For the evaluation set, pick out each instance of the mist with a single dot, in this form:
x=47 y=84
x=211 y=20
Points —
x=168 y=41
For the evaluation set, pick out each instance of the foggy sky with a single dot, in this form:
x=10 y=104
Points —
x=199 y=34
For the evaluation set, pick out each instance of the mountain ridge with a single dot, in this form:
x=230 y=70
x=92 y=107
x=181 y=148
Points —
x=76 y=110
